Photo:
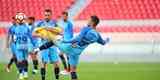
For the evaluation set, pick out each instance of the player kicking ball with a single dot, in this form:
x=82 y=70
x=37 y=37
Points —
x=73 y=48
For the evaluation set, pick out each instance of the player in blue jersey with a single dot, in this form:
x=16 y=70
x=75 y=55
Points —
x=73 y=48
x=10 y=43
x=50 y=54
x=67 y=27
x=22 y=36
x=33 y=43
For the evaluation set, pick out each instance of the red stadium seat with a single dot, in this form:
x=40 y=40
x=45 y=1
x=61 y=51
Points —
x=32 y=7
x=123 y=9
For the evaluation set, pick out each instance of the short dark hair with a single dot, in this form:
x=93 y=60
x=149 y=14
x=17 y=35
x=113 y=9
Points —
x=65 y=13
x=31 y=18
x=48 y=10
x=95 y=19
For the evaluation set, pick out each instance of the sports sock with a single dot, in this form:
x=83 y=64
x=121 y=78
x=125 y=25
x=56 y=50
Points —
x=35 y=64
x=56 y=71
x=63 y=61
x=74 y=76
x=43 y=73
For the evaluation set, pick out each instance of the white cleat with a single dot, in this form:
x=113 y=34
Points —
x=34 y=71
x=21 y=77
x=25 y=75
x=64 y=72
x=7 y=69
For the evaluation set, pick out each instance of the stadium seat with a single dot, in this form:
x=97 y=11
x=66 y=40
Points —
x=122 y=9
x=32 y=7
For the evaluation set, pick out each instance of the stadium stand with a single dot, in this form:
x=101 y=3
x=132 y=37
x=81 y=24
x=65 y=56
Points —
x=32 y=7
x=122 y=9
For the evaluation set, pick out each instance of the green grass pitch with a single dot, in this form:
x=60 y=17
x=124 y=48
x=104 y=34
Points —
x=99 y=71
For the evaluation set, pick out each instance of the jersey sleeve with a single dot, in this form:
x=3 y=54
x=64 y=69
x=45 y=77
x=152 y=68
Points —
x=100 y=40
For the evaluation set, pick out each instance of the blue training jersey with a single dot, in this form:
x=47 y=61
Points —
x=67 y=29
x=22 y=36
x=87 y=36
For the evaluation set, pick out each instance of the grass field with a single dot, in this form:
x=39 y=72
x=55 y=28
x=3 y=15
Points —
x=99 y=71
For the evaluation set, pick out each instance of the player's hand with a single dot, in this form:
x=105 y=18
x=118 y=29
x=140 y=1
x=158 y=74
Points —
x=107 y=40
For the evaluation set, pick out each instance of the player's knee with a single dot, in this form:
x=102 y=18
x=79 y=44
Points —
x=56 y=64
x=43 y=65
x=73 y=68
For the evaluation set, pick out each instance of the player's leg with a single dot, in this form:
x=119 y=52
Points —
x=73 y=61
x=13 y=58
x=34 y=59
x=69 y=66
x=25 y=63
x=35 y=63
x=64 y=62
x=20 y=58
x=44 y=61
x=56 y=70
x=54 y=59
x=43 y=70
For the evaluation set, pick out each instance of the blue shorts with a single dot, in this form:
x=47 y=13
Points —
x=50 y=55
x=72 y=52
x=21 y=51
x=73 y=60
x=68 y=49
x=21 y=54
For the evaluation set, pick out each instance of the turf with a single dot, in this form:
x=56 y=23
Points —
x=99 y=71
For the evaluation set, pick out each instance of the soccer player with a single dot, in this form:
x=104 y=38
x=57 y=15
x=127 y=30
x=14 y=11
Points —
x=67 y=27
x=74 y=47
x=10 y=43
x=22 y=37
x=50 y=54
x=31 y=25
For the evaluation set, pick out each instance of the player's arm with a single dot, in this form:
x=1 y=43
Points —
x=9 y=38
x=8 y=41
x=101 y=41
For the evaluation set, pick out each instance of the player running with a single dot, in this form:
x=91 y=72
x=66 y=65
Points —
x=10 y=43
x=21 y=38
x=74 y=47
x=67 y=27
x=50 y=54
